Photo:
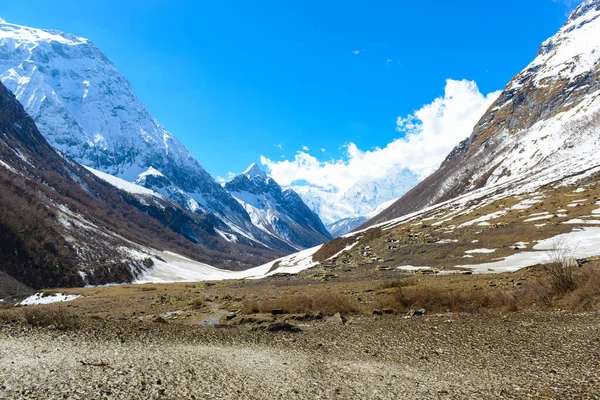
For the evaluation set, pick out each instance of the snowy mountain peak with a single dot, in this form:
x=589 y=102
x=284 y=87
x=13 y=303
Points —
x=253 y=171
x=546 y=119
x=31 y=35
x=583 y=9
x=281 y=213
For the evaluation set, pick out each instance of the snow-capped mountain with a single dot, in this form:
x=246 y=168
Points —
x=342 y=212
x=62 y=224
x=278 y=212
x=88 y=110
x=546 y=118
x=346 y=225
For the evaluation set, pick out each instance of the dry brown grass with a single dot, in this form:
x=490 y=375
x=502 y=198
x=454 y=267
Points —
x=326 y=302
x=55 y=317
x=542 y=292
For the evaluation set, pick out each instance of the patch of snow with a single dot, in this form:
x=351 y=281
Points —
x=480 y=251
x=42 y=298
x=412 y=268
x=584 y=243
x=123 y=184
x=484 y=218
x=541 y=217
x=581 y=221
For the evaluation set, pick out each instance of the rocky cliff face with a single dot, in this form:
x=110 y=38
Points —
x=543 y=119
x=278 y=212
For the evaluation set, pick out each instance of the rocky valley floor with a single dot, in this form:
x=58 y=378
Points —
x=481 y=336
x=524 y=355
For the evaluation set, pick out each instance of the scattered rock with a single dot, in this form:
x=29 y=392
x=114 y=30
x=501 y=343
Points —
x=230 y=315
x=377 y=312
x=318 y=315
x=277 y=311
x=416 y=313
x=160 y=320
x=388 y=311
x=339 y=319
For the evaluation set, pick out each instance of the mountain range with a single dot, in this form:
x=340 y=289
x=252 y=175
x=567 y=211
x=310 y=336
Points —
x=86 y=109
x=527 y=174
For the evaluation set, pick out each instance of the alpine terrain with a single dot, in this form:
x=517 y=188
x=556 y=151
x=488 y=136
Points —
x=344 y=211
x=87 y=109
x=61 y=225
x=521 y=190
x=281 y=213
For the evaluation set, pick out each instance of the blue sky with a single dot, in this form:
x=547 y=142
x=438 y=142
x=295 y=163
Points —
x=234 y=80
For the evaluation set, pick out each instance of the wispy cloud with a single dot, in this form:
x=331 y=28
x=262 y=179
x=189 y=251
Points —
x=221 y=180
x=355 y=52
x=305 y=148
x=278 y=145
x=427 y=136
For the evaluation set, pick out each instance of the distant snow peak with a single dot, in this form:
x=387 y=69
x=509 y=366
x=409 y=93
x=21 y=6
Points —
x=253 y=171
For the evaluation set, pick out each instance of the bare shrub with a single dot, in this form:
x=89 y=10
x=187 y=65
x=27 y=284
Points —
x=560 y=265
x=58 y=317
x=197 y=303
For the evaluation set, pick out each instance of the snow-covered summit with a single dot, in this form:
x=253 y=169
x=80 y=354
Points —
x=88 y=110
x=278 y=212
x=23 y=34
x=574 y=49
x=253 y=171
x=545 y=119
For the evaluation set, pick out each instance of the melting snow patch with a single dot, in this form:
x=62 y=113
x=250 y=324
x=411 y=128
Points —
x=579 y=190
x=581 y=221
x=411 y=268
x=480 y=251
x=42 y=298
x=446 y=241
x=520 y=245
x=596 y=211
x=525 y=204
x=541 y=217
x=538 y=214
x=583 y=243
x=484 y=218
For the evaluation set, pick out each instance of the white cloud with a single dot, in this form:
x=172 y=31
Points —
x=278 y=145
x=429 y=134
x=305 y=148
x=355 y=52
x=222 y=181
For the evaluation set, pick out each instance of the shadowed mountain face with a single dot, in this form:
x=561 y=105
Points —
x=60 y=225
x=539 y=121
x=281 y=213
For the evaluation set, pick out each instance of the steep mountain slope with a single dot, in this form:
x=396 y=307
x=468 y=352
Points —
x=60 y=225
x=541 y=120
x=281 y=213
x=87 y=109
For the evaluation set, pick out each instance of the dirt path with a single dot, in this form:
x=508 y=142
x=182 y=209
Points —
x=447 y=356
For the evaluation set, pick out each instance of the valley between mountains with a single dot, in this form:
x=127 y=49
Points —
x=128 y=271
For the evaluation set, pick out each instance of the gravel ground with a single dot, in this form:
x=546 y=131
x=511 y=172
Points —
x=524 y=355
